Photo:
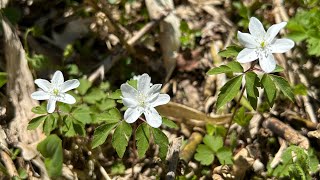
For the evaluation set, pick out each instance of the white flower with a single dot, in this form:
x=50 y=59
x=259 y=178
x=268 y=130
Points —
x=260 y=44
x=55 y=90
x=143 y=100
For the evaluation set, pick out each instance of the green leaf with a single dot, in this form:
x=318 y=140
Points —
x=204 y=155
x=231 y=51
x=300 y=89
x=35 y=122
x=66 y=108
x=93 y=96
x=252 y=82
x=39 y=109
x=50 y=124
x=278 y=69
x=269 y=89
x=73 y=127
x=82 y=113
x=242 y=118
x=112 y=116
x=115 y=95
x=232 y=66
x=51 y=150
x=213 y=142
x=224 y=155
x=216 y=130
x=229 y=91
x=101 y=133
x=169 y=123
x=121 y=138
x=106 y=104
x=162 y=141
x=118 y=168
x=142 y=137
x=3 y=78
x=85 y=84
x=22 y=173
x=284 y=86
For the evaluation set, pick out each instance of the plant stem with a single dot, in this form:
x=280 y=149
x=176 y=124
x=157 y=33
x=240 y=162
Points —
x=134 y=148
x=233 y=114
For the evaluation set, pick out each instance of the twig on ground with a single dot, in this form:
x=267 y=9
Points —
x=277 y=158
x=286 y=132
x=190 y=148
x=8 y=163
x=173 y=158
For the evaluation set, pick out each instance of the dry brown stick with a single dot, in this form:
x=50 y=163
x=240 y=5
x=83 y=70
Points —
x=8 y=163
x=190 y=148
x=277 y=158
x=173 y=158
x=286 y=132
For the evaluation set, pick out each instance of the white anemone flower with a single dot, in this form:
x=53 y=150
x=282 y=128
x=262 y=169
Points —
x=260 y=44
x=55 y=90
x=143 y=100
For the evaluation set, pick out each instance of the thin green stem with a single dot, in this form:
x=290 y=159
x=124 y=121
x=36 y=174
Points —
x=233 y=114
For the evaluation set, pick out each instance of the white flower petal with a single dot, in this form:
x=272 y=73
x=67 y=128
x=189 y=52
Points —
x=161 y=100
x=247 y=40
x=131 y=103
x=281 y=45
x=43 y=84
x=128 y=91
x=70 y=84
x=66 y=98
x=144 y=83
x=51 y=106
x=40 y=95
x=273 y=31
x=132 y=114
x=153 y=118
x=247 y=55
x=267 y=62
x=256 y=28
x=154 y=89
x=57 y=78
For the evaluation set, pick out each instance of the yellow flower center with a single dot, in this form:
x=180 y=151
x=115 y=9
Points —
x=263 y=44
x=141 y=99
x=55 y=92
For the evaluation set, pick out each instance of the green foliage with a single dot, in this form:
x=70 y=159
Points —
x=229 y=91
x=37 y=61
x=162 y=141
x=297 y=163
x=232 y=66
x=51 y=150
x=101 y=133
x=300 y=89
x=169 y=123
x=117 y=168
x=269 y=89
x=3 y=78
x=242 y=118
x=283 y=86
x=230 y=52
x=304 y=26
x=121 y=138
x=188 y=36
x=213 y=147
x=142 y=138
x=35 y=122
x=85 y=84
x=252 y=84
x=216 y=130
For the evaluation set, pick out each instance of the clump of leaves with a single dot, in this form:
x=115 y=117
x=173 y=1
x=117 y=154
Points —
x=188 y=37
x=213 y=147
x=305 y=27
x=297 y=163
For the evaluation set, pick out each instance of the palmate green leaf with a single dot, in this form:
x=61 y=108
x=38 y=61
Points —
x=232 y=66
x=204 y=155
x=51 y=150
x=83 y=114
x=115 y=95
x=231 y=51
x=229 y=91
x=213 y=142
x=269 y=88
x=106 y=104
x=73 y=127
x=40 y=109
x=242 y=118
x=50 y=124
x=142 y=137
x=94 y=95
x=85 y=84
x=167 y=122
x=101 y=133
x=284 y=86
x=121 y=138
x=35 y=122
x=3 y=78
x=111 y=116
x=224 y=155
x=252 y=82
x=162 y=141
